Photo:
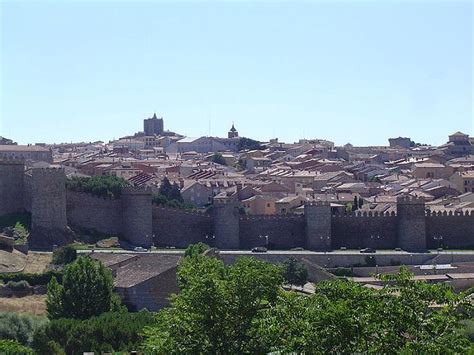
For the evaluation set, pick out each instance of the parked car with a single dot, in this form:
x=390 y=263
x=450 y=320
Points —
x=259 y=250
x=140 y=249
x=368 y=250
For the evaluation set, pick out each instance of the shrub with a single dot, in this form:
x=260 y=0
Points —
x=21 y=285
x=18 y=327
x=12 y=347
x=106 y=333
x=10 y=220
x=33 y=279
x=343 y=271
x=370 y=261
x=194 y=250
x=64 y=255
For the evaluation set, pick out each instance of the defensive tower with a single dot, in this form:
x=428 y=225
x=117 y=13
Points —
x=48 y=208
x=411 y=223
x=318 y=225
x=137 y=216
x=11 y=185
x=226 y=223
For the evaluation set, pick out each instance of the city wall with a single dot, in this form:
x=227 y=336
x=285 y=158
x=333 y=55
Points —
x=356 y=230
x=450 y=230
x=179 y=228
x=134 y=219
x=94 y=213
x=283 y=232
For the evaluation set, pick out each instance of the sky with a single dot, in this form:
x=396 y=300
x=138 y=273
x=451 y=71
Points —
x=346 y=71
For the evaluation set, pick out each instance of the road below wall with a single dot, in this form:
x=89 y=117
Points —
x=338 y=258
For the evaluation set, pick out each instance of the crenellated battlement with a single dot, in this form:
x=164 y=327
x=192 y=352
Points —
x=449 y=213
x=136 y=219
x=410 y=200
x=276 y=218
x=365 y=214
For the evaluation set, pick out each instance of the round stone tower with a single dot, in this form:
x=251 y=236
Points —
x=48 y=208
x=318 y=225
x=226 y=223
x=137 y=217
x=11 y=185
x=411 y=223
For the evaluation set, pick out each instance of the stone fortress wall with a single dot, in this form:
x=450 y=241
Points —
x=134 y=219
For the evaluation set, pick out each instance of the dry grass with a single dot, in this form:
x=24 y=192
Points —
x=34 y=305
x=12 y=261
x=37 y=262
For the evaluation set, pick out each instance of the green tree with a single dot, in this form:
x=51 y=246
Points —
x=294 y=272
x=241 y=308
x=194 y=250
x=248 y=143
x=102 y=186
x=108 y=332
x=86 y=291
x=216 y=309
x=355 y=204
x=12 y=347
x=165 y=187
x=344 y=317
x=218 y=159
x=175 y=193
x=64 y=255
x=19 y=327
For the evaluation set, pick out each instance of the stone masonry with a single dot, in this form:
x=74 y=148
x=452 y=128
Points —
x=133 y=219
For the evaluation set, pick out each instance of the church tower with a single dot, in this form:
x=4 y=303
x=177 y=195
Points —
x=233 y=132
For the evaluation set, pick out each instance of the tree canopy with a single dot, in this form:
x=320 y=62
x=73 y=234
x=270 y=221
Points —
x=170 y=195
x=241 y=308
x=86 y=291
x=218 y=159
x=216 y=309
x=248 y=143
x=102 y=186
x=294 y=272
x=108 y=332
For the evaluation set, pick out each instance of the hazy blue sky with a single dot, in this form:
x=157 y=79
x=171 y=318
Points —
x=348 y=71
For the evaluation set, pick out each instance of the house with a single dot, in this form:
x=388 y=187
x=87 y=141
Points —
x=464 y=181
x=331 y=178
x=144 y=281
x=207 y=144
x=259 y=204
x=289 y=203
x=274 y=189
x=254 y=164
x=197 y=193
x=26 y=152
x=432 y=170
